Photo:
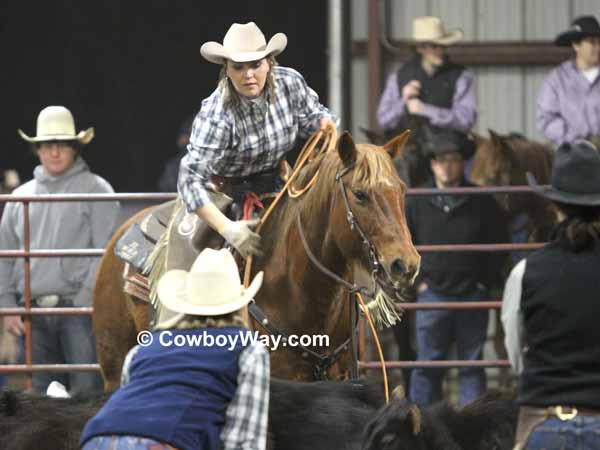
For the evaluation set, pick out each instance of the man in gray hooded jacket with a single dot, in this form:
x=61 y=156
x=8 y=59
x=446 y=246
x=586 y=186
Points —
x=60 y=281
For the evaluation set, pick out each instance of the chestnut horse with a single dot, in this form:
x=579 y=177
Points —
x=354 y=182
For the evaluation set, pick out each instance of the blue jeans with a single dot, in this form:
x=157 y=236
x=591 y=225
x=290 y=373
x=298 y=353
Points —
x=580 y=433
x=436 y=330
x=122 y=443
x=63 y=340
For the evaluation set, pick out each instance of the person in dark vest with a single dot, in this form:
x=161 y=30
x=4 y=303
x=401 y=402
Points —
x=550 y=312
x=429 y=85
x=199 y=380
x=453 y=276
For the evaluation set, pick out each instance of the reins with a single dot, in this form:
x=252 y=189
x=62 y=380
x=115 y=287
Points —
x=308 y=154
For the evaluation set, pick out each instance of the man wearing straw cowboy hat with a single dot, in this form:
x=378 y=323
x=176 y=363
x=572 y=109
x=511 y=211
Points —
x=550 y=312
x=568 y=104
x=246 y=127
x=61 y=281
x=429 y=85
x=192 y=395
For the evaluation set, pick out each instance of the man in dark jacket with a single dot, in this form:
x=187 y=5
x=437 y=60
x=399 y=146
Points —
x=453 y=276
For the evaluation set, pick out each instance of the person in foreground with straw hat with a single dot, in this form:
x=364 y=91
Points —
x=62 y=281
x=457 y=276
x=568 y=104
x=550 y=312
x=429 y=85
x=179 y=391
x=245 y=128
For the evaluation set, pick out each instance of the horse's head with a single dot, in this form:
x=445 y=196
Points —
x=367 y=210
x=494 y=163
x=504 y=160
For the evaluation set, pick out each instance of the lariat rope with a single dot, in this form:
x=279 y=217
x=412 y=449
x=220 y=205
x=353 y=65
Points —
x=308 y=154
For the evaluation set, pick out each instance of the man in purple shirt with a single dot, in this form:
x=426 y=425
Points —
x=429 y=85
x=568 y=104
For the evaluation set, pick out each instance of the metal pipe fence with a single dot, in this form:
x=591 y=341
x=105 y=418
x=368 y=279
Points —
x=27 y=253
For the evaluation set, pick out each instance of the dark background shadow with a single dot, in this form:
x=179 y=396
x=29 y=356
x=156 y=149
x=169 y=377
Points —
x=133 y=70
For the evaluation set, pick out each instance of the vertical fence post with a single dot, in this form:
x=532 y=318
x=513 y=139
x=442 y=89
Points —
x=27 y=293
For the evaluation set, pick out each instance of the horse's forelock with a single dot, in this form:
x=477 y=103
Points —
x=374 y=168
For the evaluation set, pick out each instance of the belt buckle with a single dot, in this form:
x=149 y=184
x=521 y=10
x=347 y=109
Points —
x=47 y=301
x=565 y=415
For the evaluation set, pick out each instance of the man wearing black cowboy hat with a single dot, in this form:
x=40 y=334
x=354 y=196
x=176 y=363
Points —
x=453 y=276
x=550 y=312
x=568 y=104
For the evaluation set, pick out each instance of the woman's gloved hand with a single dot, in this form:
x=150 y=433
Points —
x=240 y=235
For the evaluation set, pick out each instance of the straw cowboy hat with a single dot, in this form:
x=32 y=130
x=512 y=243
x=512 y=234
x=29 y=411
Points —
x=55 y=123
x=581 y=27
x=574 y=175
x=243 y=43
x=431 y=29
x=212 y=287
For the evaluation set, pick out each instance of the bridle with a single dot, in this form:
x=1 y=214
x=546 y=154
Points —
x=379 y=275
x=376 y=269
x=324 y=361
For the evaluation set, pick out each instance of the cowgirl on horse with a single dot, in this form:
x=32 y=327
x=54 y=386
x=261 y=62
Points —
x=245 y=128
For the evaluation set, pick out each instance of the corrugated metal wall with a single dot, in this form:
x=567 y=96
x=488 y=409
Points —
x=506 y=95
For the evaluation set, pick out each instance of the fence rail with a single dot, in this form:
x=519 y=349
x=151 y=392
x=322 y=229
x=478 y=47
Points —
x=27 y=253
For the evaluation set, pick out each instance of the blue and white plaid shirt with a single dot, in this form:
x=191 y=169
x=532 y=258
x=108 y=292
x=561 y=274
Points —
x=251 y=137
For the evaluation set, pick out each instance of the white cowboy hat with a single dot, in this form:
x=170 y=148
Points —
x=55 y=123
x=431 y=29
x=212 y=287
x=243 y=43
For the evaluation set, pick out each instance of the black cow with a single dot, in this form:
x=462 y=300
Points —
x=322 y=415
x=488 y=423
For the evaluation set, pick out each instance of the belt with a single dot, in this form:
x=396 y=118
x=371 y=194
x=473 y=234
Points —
x=46 y=301
x=562 y=412
x=50 y=301
x=531 y=416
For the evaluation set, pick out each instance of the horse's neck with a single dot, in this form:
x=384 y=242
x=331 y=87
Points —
x=297 y=291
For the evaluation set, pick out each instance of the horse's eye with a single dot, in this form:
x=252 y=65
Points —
x=361 y=196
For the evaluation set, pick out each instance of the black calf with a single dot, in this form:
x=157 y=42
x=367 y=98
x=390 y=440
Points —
x=488 y=423
x=322 y=415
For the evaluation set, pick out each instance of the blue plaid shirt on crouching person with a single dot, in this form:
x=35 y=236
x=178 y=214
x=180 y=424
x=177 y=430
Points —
x=249 y=137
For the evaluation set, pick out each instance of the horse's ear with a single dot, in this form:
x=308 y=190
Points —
x=477 y=138
x=496 y=139
x=346 y=149
x=415 y=417
x=395 y=146
x=500 y=144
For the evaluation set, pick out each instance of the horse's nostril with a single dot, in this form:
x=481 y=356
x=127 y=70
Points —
x=398 y=268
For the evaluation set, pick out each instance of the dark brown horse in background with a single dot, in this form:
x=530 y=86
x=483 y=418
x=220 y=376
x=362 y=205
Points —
x=504 y=160
x=296 y=296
